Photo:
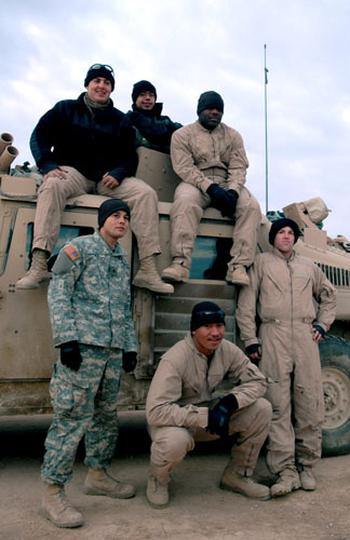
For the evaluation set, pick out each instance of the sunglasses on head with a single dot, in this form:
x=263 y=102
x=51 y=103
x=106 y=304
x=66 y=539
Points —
x=99 y=66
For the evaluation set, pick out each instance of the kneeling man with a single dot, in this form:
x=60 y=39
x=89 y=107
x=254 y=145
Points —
x=181 y=407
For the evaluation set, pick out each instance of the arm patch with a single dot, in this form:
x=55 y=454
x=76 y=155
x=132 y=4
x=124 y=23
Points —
x=71 y=252
x=66 y=259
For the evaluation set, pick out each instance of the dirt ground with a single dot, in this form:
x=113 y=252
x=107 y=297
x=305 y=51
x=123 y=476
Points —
x=199 y=509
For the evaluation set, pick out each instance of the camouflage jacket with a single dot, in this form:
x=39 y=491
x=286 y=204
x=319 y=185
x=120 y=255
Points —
x=89 y=295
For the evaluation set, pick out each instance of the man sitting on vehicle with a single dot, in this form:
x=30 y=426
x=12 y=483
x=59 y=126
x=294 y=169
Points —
x=88 y=146
x=210 y=159
x=152 y=128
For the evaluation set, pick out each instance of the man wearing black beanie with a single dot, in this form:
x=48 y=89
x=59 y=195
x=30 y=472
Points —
x=87 y=145
x=210 y=159
x=90 y=310
x=183 y=406
x=153 y=129
x=295 y=303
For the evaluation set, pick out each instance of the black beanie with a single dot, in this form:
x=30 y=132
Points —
x=108 y=208
x=100 y=70
x=279 y=224
x=206 y=313
x=142 y=86
x=210 y=100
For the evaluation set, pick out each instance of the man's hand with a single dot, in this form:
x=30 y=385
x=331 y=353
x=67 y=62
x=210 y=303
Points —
x=219 y=415
x=129 y=361
x=109 y=181
x=318 y=333
x=56 y=173
x=70 y=355
x=254 y=352
x=223 y=200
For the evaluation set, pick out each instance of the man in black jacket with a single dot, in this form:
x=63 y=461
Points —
x=87 y=145
x=152 y=128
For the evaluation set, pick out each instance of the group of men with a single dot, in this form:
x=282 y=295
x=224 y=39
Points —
x=274 y=387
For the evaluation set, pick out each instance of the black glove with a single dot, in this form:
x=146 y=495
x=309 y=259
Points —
x=319 y=329
x=254 y=352
x=129 y=361
x=223 y=200
x=70 y=355
x=219 y=415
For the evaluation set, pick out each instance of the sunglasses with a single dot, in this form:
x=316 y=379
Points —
x=105 y=66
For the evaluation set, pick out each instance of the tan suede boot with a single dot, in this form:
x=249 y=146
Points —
x=157 y=492
x=147 y=277
x=288 y=481
x=36 y=273
x=231 y=480
x=56 y=508
x=176 y=272
x=307 y=478
x=98 y=482
x=237 y=275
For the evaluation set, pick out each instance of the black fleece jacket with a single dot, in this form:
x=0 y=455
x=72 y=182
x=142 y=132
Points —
x=94 y=143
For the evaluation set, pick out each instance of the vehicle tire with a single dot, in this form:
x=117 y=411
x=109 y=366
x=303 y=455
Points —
x=335 y=361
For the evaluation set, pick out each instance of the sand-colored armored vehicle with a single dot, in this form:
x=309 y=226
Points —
x=26 y=350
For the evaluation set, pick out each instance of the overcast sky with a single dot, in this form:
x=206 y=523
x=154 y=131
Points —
x=186 y=47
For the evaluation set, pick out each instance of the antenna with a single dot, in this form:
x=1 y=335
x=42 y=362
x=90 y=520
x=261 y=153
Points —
x=266 y=145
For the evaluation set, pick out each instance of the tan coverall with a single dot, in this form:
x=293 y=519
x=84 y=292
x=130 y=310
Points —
x=53 y=195
x=288 y=296
x=201 y=157
x=178 y=398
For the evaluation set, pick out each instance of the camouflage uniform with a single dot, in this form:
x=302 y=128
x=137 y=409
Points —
x=89 y=301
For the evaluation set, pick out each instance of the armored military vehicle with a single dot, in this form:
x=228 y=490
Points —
x=26 y=350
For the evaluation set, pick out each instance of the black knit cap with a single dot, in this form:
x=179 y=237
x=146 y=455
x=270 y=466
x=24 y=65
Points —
x=206 y=313
x=142 y=86
x=100 y=70
x=109 y=207
x=279 y=224
x=210 y=100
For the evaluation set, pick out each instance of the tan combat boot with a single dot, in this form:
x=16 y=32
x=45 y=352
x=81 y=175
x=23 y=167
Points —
x=307 y=478
x=176 y=272
x=288 y=481
x=157 y=492
x=56 y=508
x=98 y=482
x=231 y=480
x=237 y=275
x=147 y=277
x=36 y=273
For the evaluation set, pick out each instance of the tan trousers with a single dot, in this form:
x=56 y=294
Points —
x=251 y=425
x=187 y=211
x=53 y=195
x=291 y=362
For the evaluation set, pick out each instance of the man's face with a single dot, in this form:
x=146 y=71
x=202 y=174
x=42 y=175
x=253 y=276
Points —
x=284 y=241
x=210 y=118
x=145 y=101
x=207 y=338
x=99 y=90
x=115 y=227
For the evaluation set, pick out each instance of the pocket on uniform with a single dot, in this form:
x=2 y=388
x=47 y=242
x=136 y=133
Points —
x=68 y=390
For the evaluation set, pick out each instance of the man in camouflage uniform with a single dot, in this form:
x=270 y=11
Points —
x=89 y=303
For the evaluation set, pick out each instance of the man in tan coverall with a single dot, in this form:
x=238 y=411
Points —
x=181 y=406
x=86 y=145
x=210 y=159
x=296 y=306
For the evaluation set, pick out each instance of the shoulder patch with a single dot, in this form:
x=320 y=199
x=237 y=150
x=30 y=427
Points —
x=71 y=252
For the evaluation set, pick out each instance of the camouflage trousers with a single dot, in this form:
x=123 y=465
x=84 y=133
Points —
x=84 y=404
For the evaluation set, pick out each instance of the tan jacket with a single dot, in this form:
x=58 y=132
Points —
x=284 y=290
x=201 y=157
x=183 y=382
